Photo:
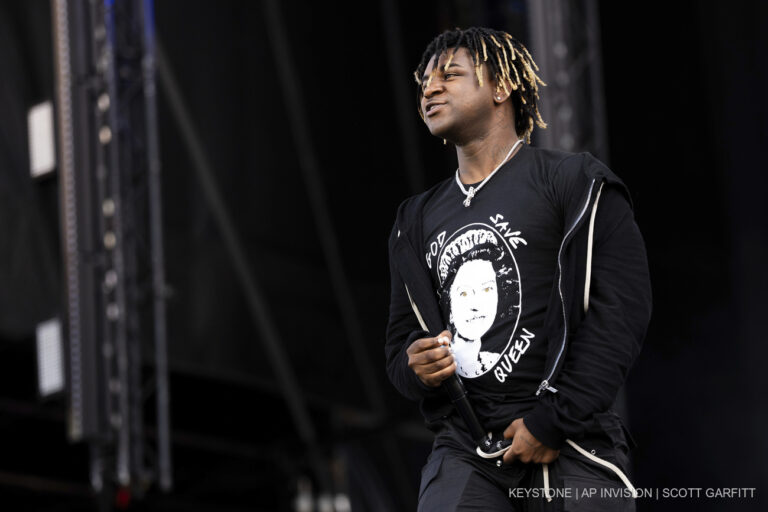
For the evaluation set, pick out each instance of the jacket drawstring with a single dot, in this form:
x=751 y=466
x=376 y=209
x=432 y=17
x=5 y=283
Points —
x=607 y=464
x=582 y=451
x=416 y=311
x=593 y=458
x=589 y=249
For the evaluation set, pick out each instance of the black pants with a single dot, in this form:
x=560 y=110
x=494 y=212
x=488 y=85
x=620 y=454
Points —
x=457 y=479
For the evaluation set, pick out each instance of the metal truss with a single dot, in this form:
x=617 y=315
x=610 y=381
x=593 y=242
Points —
x=112 y=239
x=565 y=42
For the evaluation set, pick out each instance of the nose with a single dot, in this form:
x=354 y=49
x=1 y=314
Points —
x=431 y=87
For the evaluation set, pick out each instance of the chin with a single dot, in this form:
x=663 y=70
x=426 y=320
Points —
x=441 y=132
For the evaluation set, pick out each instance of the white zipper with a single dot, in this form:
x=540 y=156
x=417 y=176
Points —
x=545 y=383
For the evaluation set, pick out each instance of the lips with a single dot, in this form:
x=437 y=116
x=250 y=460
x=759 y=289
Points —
x=432 y=108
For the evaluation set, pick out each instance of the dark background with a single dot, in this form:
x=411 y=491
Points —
x=687 y=113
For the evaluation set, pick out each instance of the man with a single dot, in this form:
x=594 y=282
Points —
x=543 y=362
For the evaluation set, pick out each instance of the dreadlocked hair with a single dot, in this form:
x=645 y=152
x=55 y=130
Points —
x=509 y=63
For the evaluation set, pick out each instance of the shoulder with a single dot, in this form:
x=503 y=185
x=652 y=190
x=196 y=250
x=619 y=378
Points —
x=568 y=173
x=564 y=166
x=410 y=209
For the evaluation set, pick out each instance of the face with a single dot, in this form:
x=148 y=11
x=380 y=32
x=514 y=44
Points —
x=474 y=298
x=454 y=106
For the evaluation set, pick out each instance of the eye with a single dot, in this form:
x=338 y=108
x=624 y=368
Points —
x=450 y=74
x=463 y=294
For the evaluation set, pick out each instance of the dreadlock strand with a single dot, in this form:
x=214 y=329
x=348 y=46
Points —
x=448 y=62
x=521 y=54
x=429 y=80
x=500 y=75
x=511 y=47
x=529 y=71
x=478 y=71
x=506 y=62
x=517 y=77
x=529 y=57
x=504 y=86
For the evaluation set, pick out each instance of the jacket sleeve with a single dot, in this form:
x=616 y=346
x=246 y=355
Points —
x=402 y=329
x=604 y=345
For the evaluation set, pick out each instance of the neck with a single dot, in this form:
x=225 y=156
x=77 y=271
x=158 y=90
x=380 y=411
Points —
x=480 y=156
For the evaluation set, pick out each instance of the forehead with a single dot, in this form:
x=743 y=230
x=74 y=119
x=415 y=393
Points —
x=475 y=271
x=461 y=57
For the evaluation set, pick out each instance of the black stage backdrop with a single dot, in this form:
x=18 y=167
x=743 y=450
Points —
x=687 y=112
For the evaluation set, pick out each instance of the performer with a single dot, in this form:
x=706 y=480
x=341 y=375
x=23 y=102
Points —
x=524 y=273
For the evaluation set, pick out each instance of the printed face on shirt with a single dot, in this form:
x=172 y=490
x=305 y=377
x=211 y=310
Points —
x=474 y=299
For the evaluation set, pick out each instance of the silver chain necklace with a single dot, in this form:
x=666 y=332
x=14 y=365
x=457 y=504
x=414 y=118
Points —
x=474 y=190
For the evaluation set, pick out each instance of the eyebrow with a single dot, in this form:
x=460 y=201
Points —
x=453 y=65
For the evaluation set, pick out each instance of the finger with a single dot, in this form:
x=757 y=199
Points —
x=443 y=374
x=510 y=431
x=430 y=356
x=435 y=366
x=444 y=338
x=512 y=453
x=421 y=345
x=550 y=456
x=509 y=456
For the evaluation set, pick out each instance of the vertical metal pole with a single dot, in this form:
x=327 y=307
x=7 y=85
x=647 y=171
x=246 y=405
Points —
x=117 y=312
x=62 y=60
x=539 y=13
x=156 y=241
x=597 y=89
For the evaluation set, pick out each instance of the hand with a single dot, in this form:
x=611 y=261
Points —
x=431 y=359
x=525 y=447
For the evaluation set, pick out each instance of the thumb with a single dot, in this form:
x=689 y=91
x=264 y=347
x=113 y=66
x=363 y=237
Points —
x=510 y=431
x=444 y=338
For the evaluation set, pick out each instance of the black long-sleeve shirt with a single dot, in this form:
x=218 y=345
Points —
x=584 y=368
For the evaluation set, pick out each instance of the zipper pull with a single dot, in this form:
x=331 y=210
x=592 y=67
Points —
x=545 y=385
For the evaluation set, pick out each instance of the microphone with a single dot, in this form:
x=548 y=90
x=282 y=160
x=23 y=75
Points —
x=487 y=447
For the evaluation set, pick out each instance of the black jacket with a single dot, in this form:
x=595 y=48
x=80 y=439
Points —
x=589 y=353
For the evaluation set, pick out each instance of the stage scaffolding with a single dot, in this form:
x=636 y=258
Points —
x=565 y=41
x=111 y=231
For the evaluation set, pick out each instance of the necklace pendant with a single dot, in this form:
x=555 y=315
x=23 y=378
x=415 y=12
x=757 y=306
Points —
x=470 y=195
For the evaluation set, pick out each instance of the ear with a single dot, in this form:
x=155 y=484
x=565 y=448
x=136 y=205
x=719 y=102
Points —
x=500 y=95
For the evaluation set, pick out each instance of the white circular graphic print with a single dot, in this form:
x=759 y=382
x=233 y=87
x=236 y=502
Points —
x=480 y=284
